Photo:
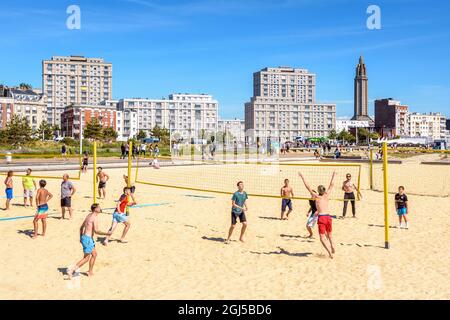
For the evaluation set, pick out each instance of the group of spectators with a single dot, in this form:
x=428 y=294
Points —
x=141 y=150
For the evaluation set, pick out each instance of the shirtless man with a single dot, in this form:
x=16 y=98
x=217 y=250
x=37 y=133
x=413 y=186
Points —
x=102 y=178
x=9 y=188
x=43 y=196
x=324 y=221
x=349 y=189
x=87 y=231
x=132 y=186
x=286 y=194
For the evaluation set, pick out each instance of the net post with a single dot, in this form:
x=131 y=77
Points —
x=359 y=182
x=94 y=173
x=130 y=152
x=386 y=202
x=371 y=168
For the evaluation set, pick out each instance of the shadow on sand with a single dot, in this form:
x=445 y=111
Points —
x=382 y=226
x=270 y=218
x=283 y=251
x=214 y=239
x=28 y=233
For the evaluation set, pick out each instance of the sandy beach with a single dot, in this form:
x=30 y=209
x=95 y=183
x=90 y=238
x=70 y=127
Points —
x=176 y=248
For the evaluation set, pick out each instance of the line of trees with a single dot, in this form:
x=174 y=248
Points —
x=344 y=135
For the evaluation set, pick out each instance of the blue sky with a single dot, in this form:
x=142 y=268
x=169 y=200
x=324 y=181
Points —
x=160 y=47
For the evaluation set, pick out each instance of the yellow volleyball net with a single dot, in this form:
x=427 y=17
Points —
x=41 y=165
x=423 y=172
x=261 y=179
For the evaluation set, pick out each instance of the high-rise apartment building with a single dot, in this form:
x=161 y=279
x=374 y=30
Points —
x=183 y=114
x=75 y=80
x=284 y=106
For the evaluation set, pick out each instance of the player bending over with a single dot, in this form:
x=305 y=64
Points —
x=87 y=231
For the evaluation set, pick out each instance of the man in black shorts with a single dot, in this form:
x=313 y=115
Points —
x=238 y=210
x=67 y=191
x=102 y=178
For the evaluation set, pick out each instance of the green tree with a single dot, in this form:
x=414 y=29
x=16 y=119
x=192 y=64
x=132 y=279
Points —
x=25 y=86
x=45 y=131
x=17 y=131
x=56 y=129
x=141 y=135
x=162 y=133
x=346 y=136
x=93 y=130
x=332 y=135
x=363 y=134
x=109 y=134
x=374 y=135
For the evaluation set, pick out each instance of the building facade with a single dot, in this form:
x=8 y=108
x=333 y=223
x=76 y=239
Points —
x=6 y=110
x=75 y=118
x=236 y=128
x=75 y=80
x=283 y=106
x=25 y=103
x=185 y=115
x=431 y=125
x=391 y=118
x=361 y=94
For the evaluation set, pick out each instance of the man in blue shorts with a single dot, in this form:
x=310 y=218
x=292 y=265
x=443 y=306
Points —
x=401 y=205
x=286 y=194
x=87 y=231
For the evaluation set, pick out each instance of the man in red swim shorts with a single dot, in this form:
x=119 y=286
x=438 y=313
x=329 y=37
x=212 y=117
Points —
x=324 y=222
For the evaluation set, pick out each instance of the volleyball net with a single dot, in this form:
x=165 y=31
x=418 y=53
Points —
x=41 y=165
x=261 y=179
x=421 y=171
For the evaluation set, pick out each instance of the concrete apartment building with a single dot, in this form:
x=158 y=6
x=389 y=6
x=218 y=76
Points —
x=78 y=80
x=185 y=115
x=26 y=103
x=284 y=106
x=394 y=119
x=235 y=127
x=75 y=114
x=391 y=118
x=431 y=125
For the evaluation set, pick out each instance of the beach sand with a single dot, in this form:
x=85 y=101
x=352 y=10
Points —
x=176 y=248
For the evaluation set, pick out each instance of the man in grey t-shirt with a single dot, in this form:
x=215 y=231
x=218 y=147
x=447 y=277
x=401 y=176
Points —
x=67 y=191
